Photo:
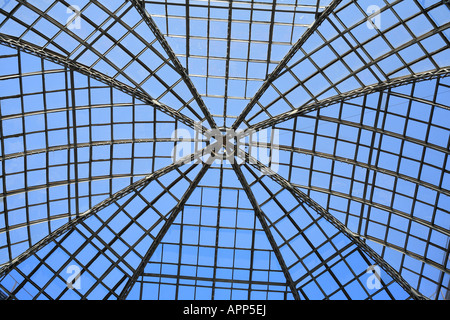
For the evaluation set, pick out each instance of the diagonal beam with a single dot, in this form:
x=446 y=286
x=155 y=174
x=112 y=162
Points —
x=259 y=213
x=102 y=246
x=353 y=162
x=447 y=3
x=276 y=72
x=205 y=151
x=16 y=43
x=81 y=217
x=416 y=40
x=409 y=253
x=377 y=205
x=384 y=243
x=227 y=62
x=383 y=131
x=353 y=237
x=421 y=100
x=146 y=17
x=98 y=143
x=173 y=215
x=116 y=15
x=385 y=85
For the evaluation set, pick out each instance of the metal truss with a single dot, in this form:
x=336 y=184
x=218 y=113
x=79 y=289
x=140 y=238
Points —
x=261 y=218
x=347 y=96
x=319 y=20
x=92 y=121
x=54 y=57
x=140 y=6
x=352 y=162
x=380 y=84
x=162 y=232
x=140 y=184
x=303 y=198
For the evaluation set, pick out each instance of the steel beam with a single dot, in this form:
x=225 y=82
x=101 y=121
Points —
x=376 y=205
x=385 y=132
x=97 y=143
x=173 y=215
x=351 y=162
x=447 y=3
x=429 y=75
x=346 y=95
x=81 y=217
x=353 y=237
x=146 y=17
x=408 y=253
x=320 y=18
x=49 y=55
x=260 y=215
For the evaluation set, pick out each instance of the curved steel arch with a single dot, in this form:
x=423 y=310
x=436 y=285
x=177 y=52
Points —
x=178 y=186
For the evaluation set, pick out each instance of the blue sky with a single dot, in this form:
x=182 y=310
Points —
x=377 y=162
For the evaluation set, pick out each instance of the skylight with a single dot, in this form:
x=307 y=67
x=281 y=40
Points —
x=217 y=150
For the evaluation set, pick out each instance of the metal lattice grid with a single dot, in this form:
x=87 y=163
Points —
x=95 y=98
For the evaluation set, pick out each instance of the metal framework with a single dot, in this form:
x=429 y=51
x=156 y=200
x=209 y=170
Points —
x=331 y=179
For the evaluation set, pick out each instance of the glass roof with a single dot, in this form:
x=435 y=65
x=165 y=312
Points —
x=217 y=150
